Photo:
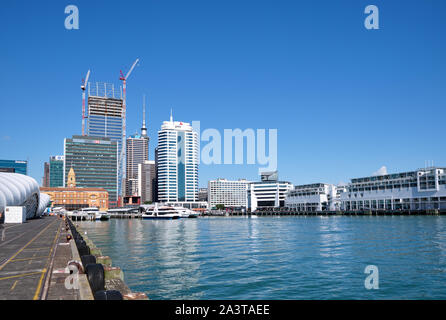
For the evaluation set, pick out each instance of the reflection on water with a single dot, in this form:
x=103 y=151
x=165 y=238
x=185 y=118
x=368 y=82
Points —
x=278 y=257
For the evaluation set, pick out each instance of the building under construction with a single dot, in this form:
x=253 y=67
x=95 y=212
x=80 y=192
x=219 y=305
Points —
x=105 y=118
x=106 y=115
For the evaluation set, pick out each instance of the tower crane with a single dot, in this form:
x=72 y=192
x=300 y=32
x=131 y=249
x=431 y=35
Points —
x=83 y=87
x=124 y=106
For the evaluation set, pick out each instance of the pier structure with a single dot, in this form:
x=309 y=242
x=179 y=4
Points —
x=48 y=259
x=33 y=258
x=293 y=212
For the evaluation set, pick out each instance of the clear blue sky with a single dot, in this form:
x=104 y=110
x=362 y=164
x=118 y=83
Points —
x=345 y=100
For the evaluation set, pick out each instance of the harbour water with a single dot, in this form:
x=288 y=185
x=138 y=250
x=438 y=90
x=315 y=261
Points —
x=278 y=257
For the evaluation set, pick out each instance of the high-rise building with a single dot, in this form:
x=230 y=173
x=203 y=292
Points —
x=46 y=175
x=53 y=172
x=233 y=194
x=95 y=161
x=56 y=171
x=17 y=166
x=146 y=181
x=105 y=118
x=155 y=183
x=137 y=151
x=177 y=162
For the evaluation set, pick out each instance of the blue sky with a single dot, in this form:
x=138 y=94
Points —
x=345 y=100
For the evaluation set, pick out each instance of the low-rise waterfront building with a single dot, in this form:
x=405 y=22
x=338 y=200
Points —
x=231 y=194
x=268 y=193
x=74 y=198
x=313 y=197
x=423 y=189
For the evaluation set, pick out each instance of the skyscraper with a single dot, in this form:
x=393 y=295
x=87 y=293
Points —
x=56 y=171
x=177 y=162
x=155 y=182
x=147 y=181
x=137 y=151
x=46 y=175
x=95 y=161
x=105 y=119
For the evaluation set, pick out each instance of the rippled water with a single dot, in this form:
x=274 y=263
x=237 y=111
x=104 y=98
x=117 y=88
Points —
x=278 y=257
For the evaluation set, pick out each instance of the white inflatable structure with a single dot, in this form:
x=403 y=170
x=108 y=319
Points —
x=20 y=190
x=44 y=201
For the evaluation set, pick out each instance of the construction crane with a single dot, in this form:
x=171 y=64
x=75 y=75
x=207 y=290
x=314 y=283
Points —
x=83 y=87
x=124 y=105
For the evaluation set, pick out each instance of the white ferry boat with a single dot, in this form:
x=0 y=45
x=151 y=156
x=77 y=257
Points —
x=186 y=213
x=159 y=212
x=77 y=215
x=124 y=212
x=93 y=213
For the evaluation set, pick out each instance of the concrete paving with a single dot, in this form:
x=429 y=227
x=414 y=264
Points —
x=60 y=286
x=26 y=252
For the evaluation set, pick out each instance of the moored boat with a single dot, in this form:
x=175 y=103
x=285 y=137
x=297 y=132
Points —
x=186 y=213
x=159 y=212
x=104 y=216
x=94 y=214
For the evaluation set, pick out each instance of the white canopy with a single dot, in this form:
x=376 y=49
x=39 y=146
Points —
x=43 y=203
x=16 y=189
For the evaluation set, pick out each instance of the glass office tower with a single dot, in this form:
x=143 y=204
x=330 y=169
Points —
x=95 y=161
x=56 y=171
x=17 y=166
